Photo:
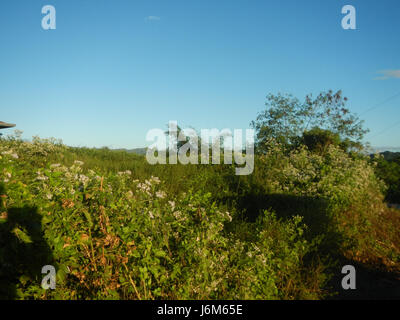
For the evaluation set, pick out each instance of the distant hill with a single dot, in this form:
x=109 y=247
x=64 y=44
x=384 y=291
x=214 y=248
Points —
x=387 y=155
x=390 y=156
x=384 y=149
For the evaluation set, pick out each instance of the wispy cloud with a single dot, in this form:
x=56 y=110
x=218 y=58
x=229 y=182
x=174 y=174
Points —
x=153 y=18
x=388 y=74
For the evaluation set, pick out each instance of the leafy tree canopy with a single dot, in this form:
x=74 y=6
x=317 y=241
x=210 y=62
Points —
x=286 y=119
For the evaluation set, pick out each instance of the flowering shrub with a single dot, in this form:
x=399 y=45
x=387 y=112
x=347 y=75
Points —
x=113 y=236
x=348 y=194
x=119 y=229
x=333 y=175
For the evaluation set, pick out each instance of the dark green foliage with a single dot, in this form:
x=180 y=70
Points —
x=286 y=119
x=389 y=171
x=319 y=140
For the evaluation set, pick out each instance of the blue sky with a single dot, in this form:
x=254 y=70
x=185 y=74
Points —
x=112 y=70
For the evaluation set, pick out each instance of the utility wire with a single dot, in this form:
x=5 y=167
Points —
x=380 y=104
x=377 y=106
x=386 y=129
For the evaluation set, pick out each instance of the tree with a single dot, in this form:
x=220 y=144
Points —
x=286 y=119
x=319 y=140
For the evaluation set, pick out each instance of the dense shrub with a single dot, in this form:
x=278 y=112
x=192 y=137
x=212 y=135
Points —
x=117 y=228
x=112 y=236
x=389 y=171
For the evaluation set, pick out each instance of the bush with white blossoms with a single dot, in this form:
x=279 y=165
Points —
x=114 y=236
x=346 y=184
x=121 y=230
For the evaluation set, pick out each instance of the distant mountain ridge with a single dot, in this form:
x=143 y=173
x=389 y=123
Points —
x=390 y=156
x=384 y=149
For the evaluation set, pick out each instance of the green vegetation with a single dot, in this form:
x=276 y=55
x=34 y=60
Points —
x=388 y=169
x=116 y=227
x=286 y=119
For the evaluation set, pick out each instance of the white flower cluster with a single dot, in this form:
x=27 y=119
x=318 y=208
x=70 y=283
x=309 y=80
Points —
x=10 y=153
x=161 y=194
x=7 y=175
x=144 y=187
x=125 y=173
x=82 y=179
x=41 y=176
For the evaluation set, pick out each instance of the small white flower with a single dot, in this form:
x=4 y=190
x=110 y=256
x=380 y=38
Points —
x=172 y=204
x=143 y=187
x=155 y=179
x=177 y=214
x=161 y=194
x=83 y=179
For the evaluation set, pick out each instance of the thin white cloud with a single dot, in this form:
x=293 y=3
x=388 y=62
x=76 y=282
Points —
x=153 y=18
x=389 y=74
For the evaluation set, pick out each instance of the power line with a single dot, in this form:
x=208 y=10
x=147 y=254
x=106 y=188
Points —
x=380 y=104
x=386 y=129
x=377 y=106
